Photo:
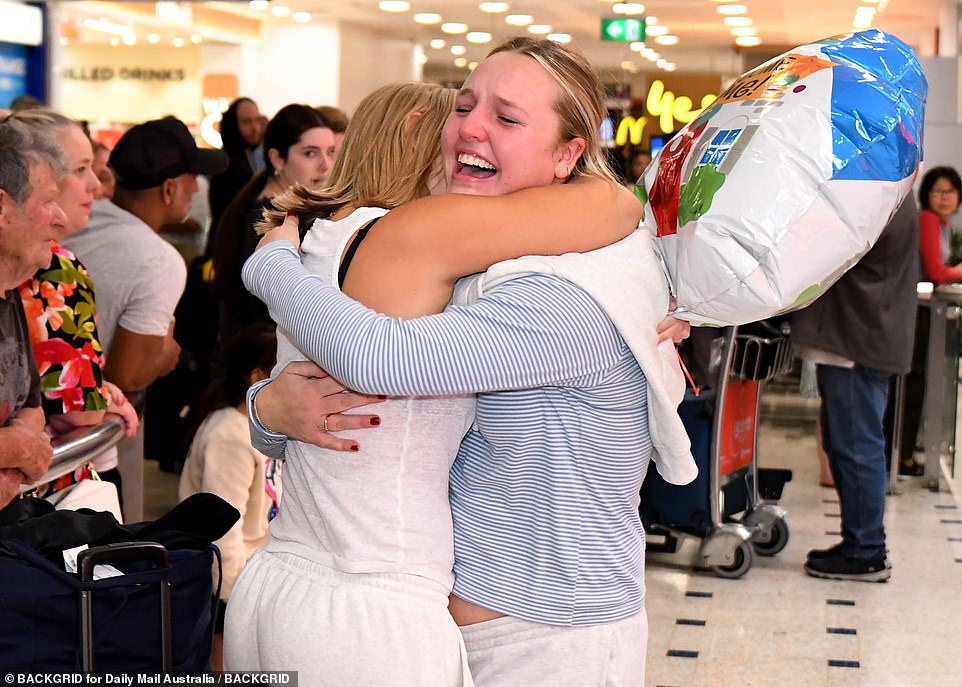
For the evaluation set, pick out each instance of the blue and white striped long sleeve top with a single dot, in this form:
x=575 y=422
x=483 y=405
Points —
x=544 y=491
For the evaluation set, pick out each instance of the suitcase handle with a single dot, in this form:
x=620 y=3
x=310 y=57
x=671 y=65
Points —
x=123 y=552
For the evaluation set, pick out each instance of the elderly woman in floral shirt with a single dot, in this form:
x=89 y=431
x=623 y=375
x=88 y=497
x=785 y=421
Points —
x=59 y=300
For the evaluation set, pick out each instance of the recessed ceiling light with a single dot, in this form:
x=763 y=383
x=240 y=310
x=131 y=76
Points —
x=259 y=4
x=472 y=65
x=195 y=38
x=394 y=6
x=427 y=18
x=738 y=21
x=518 y=19
x=280 y=10
x=301 y=17
x=460 y=62
x=478 y=37
x=651 y=20
x=628 y=8
x=129 y=39
x=113 y=41
x=670 y=67
x=454 y=27
x=732 y=9
x=178 y=42
x=637 y=46
x=493 y=7
x=153 y=38
x=629 y=66
x=437 y=43
x=559 y=37
x=661 y=62
x=744 y=31
x=458 y=49
x=748 y=41
x=539 y=29
x=667 y=40
x=658 y=30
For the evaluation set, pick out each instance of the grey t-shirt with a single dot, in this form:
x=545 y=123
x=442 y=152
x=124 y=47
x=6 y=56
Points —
x=139 y=276
x=19 y=383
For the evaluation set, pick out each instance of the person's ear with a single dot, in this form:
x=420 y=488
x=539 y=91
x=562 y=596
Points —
x=568 y=155
x=277 y=162
x=168 y=190
x=256 y=375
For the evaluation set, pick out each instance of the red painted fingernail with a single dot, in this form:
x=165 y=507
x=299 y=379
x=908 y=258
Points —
x=375 y=421
x=355 y=447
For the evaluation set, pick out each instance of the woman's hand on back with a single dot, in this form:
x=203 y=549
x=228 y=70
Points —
x=287 y=230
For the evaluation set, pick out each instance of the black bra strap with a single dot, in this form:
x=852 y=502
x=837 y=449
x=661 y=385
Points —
x=352 y=249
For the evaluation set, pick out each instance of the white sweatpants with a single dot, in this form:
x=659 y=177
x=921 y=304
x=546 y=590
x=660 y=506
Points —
x=508 y=652
x=342 y=629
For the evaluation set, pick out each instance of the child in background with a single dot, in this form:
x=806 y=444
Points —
x=222 y=461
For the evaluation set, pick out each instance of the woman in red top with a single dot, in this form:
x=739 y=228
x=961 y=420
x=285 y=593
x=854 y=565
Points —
x=939 y=197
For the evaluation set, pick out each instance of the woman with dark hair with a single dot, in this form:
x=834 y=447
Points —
x=240 y=132
x=299 y=146
x=939 y=196
x=221 y=460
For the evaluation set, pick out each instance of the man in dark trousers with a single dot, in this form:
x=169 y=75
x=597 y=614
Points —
x=860 y=334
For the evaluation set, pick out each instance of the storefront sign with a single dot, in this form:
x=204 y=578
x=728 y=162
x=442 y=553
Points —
x=670 y=110
x=126 y=73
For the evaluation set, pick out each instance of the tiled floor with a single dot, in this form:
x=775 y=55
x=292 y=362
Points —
x=776 y=626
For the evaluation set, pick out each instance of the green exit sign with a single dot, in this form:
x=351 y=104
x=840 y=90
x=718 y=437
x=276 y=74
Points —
x=626 y=29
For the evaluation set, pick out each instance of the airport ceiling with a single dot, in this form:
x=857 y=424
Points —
x=705 y=42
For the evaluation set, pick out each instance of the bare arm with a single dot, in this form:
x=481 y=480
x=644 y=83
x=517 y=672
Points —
x=136 y=360
x=24 y=446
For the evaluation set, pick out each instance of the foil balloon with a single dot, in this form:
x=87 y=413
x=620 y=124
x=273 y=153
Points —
x=760 y=203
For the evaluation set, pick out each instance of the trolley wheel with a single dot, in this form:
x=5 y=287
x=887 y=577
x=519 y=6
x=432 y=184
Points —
x=773 y=541
x=744 y=557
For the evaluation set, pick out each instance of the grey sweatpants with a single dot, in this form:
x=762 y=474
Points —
x=507 y=652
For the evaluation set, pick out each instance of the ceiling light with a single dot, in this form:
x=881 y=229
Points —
x=661 y=63
x=651 y=20
x=301 y=17
x=493 y=7
x=637 y=46
x=259 y=4
x=748 y=41
x=866 y=10
x=458 y=49
x=394 y=6
x=437 y=43
x=153 y=38
x=472 y=66
x=195 y=38
x=656 y=30
x=744 y=31
x=518 y=19
x=178 y=42
x=667 y=39
x=539 y=29
x=280 y=10
x=670 y=67
x=629 y=66
x=628 y=8
x=559 y=37
x=106 y=26
x=113 y=41
x=478 y=37
x=732 y=9
x=129 y=39
x=454 y=27
x=862 y=22
x=460 y=62
x=427 y=18
x=738 y=21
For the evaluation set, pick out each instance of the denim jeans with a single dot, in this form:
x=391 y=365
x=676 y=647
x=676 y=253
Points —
x=853 y=409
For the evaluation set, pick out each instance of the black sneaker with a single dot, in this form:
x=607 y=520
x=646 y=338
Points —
x=838 y=566
x=816 y=554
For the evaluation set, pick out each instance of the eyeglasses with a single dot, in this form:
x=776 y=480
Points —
x=943 y=191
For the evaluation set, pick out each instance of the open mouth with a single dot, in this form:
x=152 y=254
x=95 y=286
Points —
x=475 y=167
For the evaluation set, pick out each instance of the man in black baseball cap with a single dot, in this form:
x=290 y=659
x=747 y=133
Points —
x=150 y=153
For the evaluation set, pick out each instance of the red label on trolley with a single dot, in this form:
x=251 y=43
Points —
x=738 y=426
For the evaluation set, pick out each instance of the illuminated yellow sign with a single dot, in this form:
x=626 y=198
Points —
x=669 y=109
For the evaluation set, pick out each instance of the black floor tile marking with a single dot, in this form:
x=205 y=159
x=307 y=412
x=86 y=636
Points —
x=836 y=663
x=946 y=506
x=841 y=630
x=690 y=621
x=833 y=515
x=835 y=501
x=947 y=521
x=955 y=539
x=958 y=560
x=840 y=602
x=834 y=534
x=682 y=653
x=700 y=595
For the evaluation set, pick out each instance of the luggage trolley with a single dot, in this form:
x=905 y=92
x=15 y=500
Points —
x=726 y=506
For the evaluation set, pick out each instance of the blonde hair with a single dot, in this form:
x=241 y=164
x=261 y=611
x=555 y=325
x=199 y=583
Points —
x=581 y=103
x=391 y=148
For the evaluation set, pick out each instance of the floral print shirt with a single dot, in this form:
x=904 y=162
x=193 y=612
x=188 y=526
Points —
x=61 y=317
